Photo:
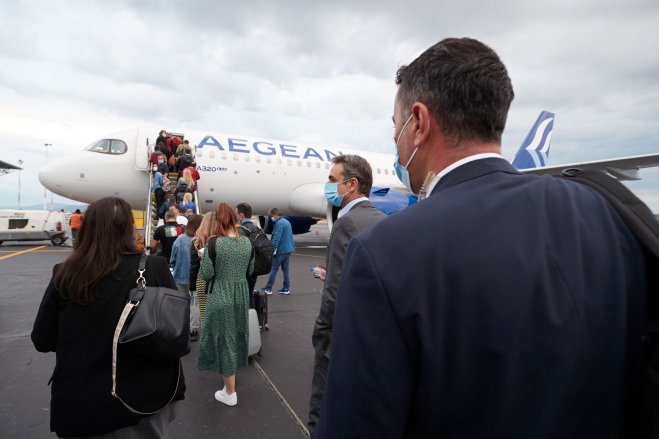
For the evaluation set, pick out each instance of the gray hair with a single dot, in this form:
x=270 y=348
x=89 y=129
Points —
x=355 y=166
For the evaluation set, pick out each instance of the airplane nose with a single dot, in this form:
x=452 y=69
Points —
x=47 y=175
x=50 y=177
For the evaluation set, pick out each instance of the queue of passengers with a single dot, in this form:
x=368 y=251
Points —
x=186 y=184
x=175 y=152
x=81 y=307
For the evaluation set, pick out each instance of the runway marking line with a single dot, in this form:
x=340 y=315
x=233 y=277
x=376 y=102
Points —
x=22 y=251
x=281 y=398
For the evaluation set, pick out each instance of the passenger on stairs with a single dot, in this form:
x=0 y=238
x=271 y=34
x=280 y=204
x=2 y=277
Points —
x=170 y=200
x=184 y=160
x=162 y=138
x=195 y=173
x=165 y=235
x=186 y=177
x=180 y=149
x=181 y=190
x=156 y=188
x=179 y=218
x=187 y=203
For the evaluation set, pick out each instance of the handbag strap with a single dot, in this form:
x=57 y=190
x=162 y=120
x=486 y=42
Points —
x=128 y=309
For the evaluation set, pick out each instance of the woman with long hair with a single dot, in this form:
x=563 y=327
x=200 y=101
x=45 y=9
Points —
x=187 y=203
x=77 y=319
x=186 y=177
x=205 y=232
x=227 y=260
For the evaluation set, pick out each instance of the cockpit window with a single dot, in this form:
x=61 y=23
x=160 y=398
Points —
x=108 y=146
x=117 y=147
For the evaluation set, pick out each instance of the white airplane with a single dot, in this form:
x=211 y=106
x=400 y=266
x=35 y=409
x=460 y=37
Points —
x=263 y=172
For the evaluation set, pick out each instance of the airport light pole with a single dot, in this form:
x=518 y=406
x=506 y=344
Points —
x=20 y=165
x=45 y=191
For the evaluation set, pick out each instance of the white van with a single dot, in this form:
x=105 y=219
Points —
x=32 y=225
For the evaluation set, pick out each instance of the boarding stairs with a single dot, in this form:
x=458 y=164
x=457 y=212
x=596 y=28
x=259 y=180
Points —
x=151 y=213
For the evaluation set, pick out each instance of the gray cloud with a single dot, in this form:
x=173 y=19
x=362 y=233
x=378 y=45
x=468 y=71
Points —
x=75 y=70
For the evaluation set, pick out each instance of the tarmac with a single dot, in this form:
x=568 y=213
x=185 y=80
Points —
x=273 y=391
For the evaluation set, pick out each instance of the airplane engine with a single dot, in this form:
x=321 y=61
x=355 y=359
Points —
x=299 y=224
x=309 y=200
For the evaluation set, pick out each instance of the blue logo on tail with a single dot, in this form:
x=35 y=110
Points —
x=534 y=151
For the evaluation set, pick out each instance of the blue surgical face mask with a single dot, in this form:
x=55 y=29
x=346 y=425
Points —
x=401 y=171
x=332 y=193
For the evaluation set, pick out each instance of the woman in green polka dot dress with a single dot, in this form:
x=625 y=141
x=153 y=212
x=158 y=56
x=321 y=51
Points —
x=224 y=340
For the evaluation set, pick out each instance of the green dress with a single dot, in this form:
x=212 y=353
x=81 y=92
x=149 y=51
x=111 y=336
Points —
x=224 y=339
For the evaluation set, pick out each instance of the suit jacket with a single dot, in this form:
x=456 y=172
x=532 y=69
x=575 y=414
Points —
x=505 y=305
x=360 y=217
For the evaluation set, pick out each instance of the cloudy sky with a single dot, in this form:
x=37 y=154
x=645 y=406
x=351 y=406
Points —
x=322 y=72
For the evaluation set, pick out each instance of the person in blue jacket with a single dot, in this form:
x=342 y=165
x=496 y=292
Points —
x=282 y=247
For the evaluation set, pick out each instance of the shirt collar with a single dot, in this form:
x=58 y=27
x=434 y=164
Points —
x=345 y=209
x=452 y=166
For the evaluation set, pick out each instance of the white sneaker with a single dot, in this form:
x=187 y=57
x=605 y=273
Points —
x=230 y=400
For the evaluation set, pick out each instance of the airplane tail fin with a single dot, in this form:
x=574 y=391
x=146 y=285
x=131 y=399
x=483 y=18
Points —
x=534 y=150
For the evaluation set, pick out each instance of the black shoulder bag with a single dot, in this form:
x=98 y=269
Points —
x=154 y=323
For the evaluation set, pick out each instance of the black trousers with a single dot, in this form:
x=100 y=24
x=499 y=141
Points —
x=317 y=388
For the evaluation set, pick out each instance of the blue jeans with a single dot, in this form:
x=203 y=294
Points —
x=278 y=260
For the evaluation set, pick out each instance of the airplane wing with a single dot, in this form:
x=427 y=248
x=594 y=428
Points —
x=623 y=168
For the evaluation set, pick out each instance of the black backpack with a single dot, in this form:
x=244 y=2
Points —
x=262 y=250
x=643 y=409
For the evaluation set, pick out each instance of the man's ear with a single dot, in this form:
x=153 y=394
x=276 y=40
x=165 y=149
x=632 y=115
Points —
x=421 y=127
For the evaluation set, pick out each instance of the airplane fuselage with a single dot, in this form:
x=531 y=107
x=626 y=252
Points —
x=265 y=173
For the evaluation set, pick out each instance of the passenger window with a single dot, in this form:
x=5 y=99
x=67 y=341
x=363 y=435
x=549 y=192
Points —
x=289 y=162
x=118 y=147
x=379 y=171
x=224 y=155
x=386 y=172
x=235 y=157
x=326 y=165
x=247 y=158
x=318 y=165
x=268 y=160
x=299 y=163
x=308 y=164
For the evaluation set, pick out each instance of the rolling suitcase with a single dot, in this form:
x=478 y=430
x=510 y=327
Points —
x=261 y=306
x=254 y=334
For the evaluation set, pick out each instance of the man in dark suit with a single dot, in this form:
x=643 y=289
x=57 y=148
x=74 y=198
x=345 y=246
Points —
x=503 y=305
x=349 y=184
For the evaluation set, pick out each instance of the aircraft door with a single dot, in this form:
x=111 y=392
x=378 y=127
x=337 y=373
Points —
x=142 y=150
